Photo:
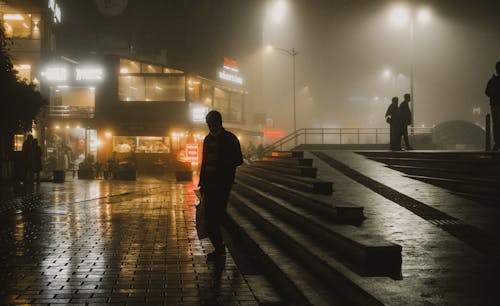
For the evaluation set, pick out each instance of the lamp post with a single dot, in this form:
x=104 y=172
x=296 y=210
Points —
x=292 y=52
x=401 y=16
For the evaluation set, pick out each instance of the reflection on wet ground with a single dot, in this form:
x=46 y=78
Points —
x=113 y=242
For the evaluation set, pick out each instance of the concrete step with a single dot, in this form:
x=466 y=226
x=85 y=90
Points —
x=286 y=169
x=307 y=162
x=476 y=167
x=340 y=213
x=441 y=155
x=367 y=254
x=321 y=279
x=459 y=185
x=296 y=283
x=302 y=183
x=446 y=174
x=297 y=154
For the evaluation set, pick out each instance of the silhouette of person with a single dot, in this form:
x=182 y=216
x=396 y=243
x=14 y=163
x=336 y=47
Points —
x=28 y=159
x=37 y=160
x=405 y=113
x=393 y=118
x=221 y=156
x=493 y=92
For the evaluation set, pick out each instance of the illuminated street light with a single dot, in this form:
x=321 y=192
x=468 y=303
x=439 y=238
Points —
x=292 y=52
x=401 y=16
x=278 y=11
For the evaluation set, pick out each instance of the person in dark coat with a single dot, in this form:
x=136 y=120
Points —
x=221 y=156
x=493 y=92
x=37 y=160
x=406 y=120
x=392 y=117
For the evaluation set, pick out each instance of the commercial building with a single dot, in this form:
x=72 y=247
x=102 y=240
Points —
x=119 y=108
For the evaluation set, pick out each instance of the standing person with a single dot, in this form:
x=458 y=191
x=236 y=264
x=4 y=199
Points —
x=406 y=120
x=392 y=117
x=37 y=160
x=28 y=159
x=221 y=156
x=493 y=92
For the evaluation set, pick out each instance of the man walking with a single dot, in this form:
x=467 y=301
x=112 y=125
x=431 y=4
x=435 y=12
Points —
x=406 y=120
x=493 y=92
x=392 y=117
x=221 y=156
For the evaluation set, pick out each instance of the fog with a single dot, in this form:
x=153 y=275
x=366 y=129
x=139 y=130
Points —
x=353 y=59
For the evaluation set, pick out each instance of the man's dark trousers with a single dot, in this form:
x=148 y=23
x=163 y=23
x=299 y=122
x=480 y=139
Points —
x=215 y=199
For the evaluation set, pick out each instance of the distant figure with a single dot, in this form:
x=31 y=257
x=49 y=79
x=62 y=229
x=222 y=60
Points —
x=406 y=120
x=392 y=117
x=37 y=160
x=221 y=156
x=28 y=158
x=493 y=92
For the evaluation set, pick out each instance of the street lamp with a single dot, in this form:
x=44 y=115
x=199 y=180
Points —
x=401 y=16
x=292 y=52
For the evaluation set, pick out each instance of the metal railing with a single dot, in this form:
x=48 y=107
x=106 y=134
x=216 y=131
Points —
x=338 y=136
x=69 y=111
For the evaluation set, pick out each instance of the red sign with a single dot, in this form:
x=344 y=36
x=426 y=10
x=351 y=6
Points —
x=230 y=63
x=192 y=153
x=273 y=133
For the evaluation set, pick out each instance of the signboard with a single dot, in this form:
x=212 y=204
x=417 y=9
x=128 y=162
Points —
x=56 y=11
x=191 y=153
x=61 y=73
x=230 y=72
x=198 y=113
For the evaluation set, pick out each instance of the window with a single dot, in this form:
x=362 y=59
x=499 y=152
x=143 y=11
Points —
x=221 y=102
x=141 y=144
x=152 y=88
x=236 y=107
x=23 y=72
x=128 y=66
x=17 y=25
x=18 y=142
x=207 y=93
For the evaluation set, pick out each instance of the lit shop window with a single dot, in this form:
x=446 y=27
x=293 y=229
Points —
x=221 y=102
x=18 y=142
x=236 y=107
x=17 y=25
x=151 y=88
x=172 y=71
x=128 y=66
x=72 y=96
x=23 y=72
x=141 y=144
x=145 y=68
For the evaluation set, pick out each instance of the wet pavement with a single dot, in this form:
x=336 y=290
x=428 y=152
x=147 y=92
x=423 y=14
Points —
x=112 y=242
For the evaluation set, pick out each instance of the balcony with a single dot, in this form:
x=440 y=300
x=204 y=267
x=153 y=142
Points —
x=69 y=111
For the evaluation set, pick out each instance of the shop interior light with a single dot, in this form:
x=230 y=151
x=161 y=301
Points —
x=67 y=126
x=13 y=17
x=123 y=70
x=158 y=87
x=108 y=134
x=77 y=126
x=25 y=25
x=57 y=127
x=55 y=74
x=22 y=67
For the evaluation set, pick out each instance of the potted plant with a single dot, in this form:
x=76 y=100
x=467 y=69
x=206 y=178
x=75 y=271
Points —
x=86 y=169
x=183 y=171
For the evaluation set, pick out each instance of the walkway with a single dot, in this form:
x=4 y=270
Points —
x=108 y=242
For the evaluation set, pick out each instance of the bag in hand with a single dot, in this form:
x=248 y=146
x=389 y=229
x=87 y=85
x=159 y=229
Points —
x=201 y=223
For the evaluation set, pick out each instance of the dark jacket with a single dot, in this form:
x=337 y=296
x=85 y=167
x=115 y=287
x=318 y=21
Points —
x=393 y=113
x=493 y=90
x=405 y=113
x=221 y=156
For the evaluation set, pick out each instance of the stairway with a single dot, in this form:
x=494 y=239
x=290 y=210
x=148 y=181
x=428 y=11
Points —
x=312 y=248
x=472 y=175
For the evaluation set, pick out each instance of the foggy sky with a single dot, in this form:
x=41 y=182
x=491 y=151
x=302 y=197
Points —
x=344 y=47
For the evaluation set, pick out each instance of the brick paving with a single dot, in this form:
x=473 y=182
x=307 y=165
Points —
x=110 y=242
x=437 y=268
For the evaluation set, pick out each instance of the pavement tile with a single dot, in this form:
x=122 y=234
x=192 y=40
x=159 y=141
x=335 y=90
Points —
x=110 y=242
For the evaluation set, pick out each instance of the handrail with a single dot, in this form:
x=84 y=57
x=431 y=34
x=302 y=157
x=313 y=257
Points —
x=377 y=132
x=70 y=111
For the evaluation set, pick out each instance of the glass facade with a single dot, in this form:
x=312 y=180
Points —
x=146 y=83
x=17 y=25
x=151 y=88
x=141 y=144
